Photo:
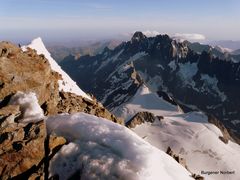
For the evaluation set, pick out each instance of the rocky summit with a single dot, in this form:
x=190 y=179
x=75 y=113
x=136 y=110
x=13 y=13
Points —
x=26 y=148
x=26 y=71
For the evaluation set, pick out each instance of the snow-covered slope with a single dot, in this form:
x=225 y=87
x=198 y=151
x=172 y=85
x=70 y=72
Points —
x=100 y=149
x=196 y=140
x=145 y=100
x=66 y=84
x=188 y=134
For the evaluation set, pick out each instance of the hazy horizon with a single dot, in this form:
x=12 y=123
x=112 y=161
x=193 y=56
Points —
x=72 y=20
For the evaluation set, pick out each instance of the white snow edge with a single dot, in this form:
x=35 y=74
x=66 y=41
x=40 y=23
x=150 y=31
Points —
x=66 y=84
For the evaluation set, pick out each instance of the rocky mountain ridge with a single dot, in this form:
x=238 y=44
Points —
x=195 y=81
x=27 y=147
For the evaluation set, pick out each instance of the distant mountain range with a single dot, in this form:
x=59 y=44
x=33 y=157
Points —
x=234 y=45
x=217 y=51
x=163 y=97
x=197 y=77
x=91 y=48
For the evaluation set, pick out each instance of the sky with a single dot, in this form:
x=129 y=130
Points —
x=102 y=19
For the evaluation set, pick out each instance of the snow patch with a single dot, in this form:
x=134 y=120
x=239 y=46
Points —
x=128 y=63
x=172 y=65
x=212 y=83
x=186 y=73
x=66 y=84
x=29 y=107
x=153 y=83
x=235 y=122
x=111 y=59
x=137 y=56
x=160 y=66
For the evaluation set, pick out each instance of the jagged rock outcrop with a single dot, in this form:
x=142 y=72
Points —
x=142 y=117
x=24 y=147
x=180 y=160
x=167 y=98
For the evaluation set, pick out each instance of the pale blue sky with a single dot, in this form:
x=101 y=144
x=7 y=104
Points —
x=100 y=19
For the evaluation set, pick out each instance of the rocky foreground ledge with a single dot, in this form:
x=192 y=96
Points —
x=26 y=147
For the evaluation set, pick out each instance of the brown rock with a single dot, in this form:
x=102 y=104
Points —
x=27 y=71
x=22 y=148
x=71 y=103
x=8 y=115
x=197 y=177
x=25 y=148
x=55 y=143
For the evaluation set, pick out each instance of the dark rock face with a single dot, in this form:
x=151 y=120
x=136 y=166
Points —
x=167 y=98
x=142 y=117
x=137 y=37
x=109 y=80
x=199 y=81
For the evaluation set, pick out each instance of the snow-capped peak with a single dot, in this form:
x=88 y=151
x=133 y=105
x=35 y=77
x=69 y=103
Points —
x=66 y=84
